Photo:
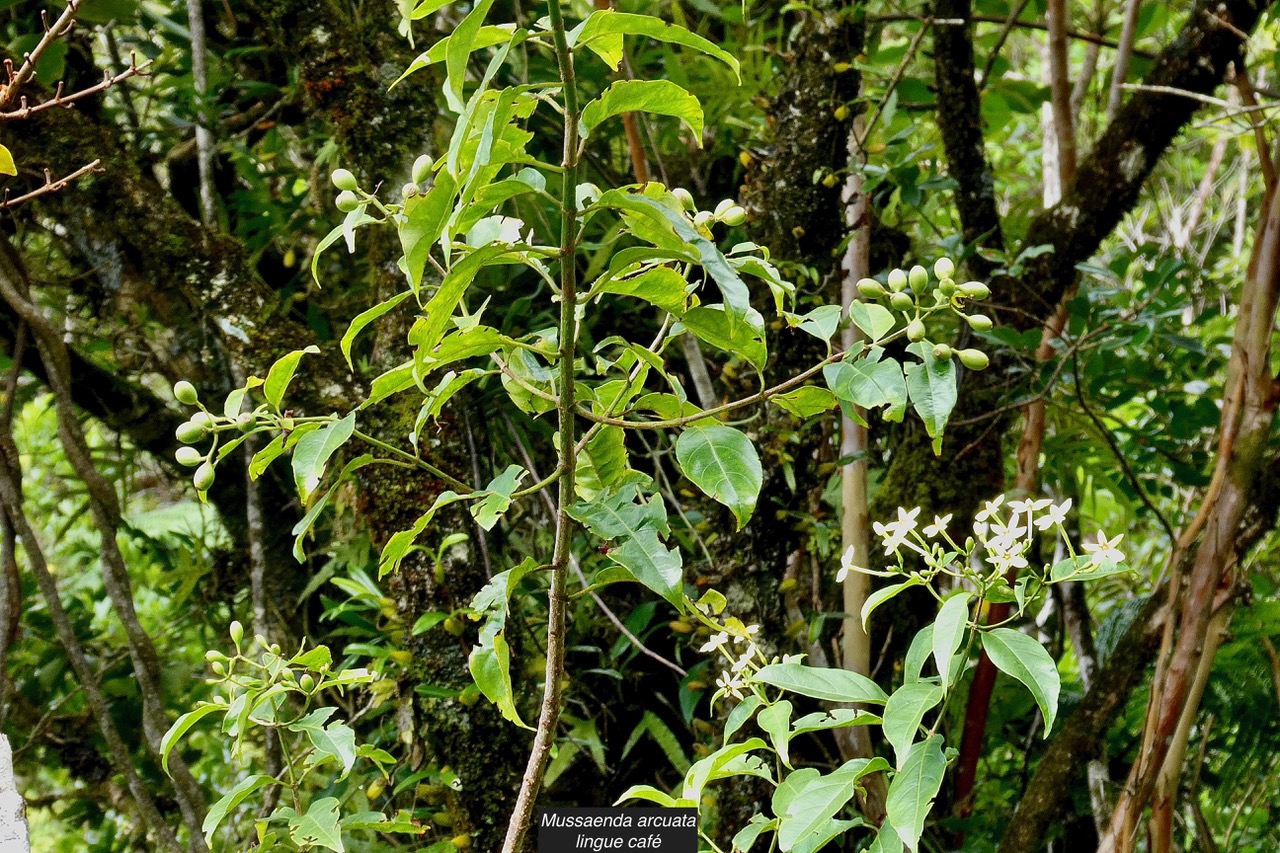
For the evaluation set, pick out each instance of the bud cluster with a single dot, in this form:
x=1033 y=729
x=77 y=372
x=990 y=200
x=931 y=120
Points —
x=727 y=211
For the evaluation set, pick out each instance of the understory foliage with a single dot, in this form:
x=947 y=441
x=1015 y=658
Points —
x=479 y=387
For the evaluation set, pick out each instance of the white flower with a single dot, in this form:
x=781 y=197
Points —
x=1019 y=507
x=907 y=520
x=745 y=661
x=1105 y=551
x=989 y=509
x=1056 y=515
x=846 y=565
x=730 y=684
x=980 y=529
x=938 y=527
x=716 y=641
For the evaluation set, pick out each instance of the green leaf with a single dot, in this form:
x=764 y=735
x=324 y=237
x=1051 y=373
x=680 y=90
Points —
x=948 y=632
x=903 y=713
x=723 y=463
x=636 y=526
x=364 y=318
x=874 y=320
x=659 y=286
x=740 y=714
x=805 y=808
x=883 y=594
x=712 y=323
x=228 y=803
x=182 y=726
x=776 y=721
x=461 y=42
x=397 y=547
x=7 y=166
x=869 y=383
x=717 y=765
x=319 y=826
x=490 y=666
x=836 y=718
x=602 y=32
x=912 y=791
x=821 y=322
x=746 y=837
x=311 y=455
x=805 y=402
x=932 y=387
x=652 y=794
x=439 y=309
x=834 y=685
x=425 y=217
x=281 y=374
x=1016 y=654
x=336 y=740
x=487 y=36
x=497 y=497
x=660 y=97
x=918 y=652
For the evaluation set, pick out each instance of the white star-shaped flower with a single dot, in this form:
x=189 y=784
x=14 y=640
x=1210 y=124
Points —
x=1057 y=514
x=1105 y=551
x=938 y=527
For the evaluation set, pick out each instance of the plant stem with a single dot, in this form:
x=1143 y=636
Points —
x=557 y=599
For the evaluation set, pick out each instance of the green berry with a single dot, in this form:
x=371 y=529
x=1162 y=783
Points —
x=918 y=278
x=723 y=207
x=947 y=286
x=734 y=216
x=422 y=168
x=943 y=268
x=942 y=352
x=915 y=331
x=980 y=322
x=246 y=421
x=188 y=432
x=870 y=288
x=307 y=682
x=188 y=457
x=343 y=179
x=185 y=393
x=897 y=281
x=702 y=218
x=842 y=112
x=408 y=191
x=347 y=201
x=237 y=633
x=901 y=302
x=685 y=198
x=974 y=359
x=203 y=478
x=975 y=290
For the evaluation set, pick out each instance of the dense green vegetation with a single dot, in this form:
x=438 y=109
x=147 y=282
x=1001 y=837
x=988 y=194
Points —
x=855 y=421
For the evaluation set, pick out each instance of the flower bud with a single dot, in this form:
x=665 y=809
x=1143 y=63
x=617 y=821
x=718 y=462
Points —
x=237 y=633
x=219 y=668
x=734 y=216
x=943 y=268
x=204 y=420
x=870 y=288
x=188 y=457
x=901 y=302
x=702 y=218
x=897 y=280
x=942 y=352
x=214 y=655
x=918 y=278
x=980 y=322
x=685 y=198
x=422 y=169
x=723 y=207
x=974 y=359
x=408 y=190
x=347 y=201
x=185 y=393
x=915 y=331
x=203 y=478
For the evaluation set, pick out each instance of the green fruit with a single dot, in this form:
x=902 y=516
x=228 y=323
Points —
x=734 y=216
x=870 y=288
x=204 y=420
x=188 y=432
x=974 y=359
x=702 y=218
x=685 y=198
x=980 y=322
x=203 y=478
x=246 y=421
x=723 y=207
x=897 y=281
x=343 y=179
x=901 y=302
x=185 y=393
x=347 y=201
x=942 y=352
x=915 y=331
x=214 y=655
x=943 y=268
x=422 y=168
x=918 y=278
x=947 y=287
x=307 y=682
x=975 y=290
x=188 y=457
x=237 y=633
x=408 y=190
x=842 y=112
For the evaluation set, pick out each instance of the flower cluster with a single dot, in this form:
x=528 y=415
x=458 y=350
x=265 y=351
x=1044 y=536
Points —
x=737 y=643
x=1002 y=535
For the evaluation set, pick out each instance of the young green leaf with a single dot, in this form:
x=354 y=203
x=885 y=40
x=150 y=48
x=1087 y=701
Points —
x=320 y=825
x=659 y=97
x=775 y=719
x=1016 y=654
x=281 y=374
x=931 y=383
x=723 y=463
x=311 y=455
x=602 y=32
x=948 y=633
x=182 y=726
x=337 y=740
